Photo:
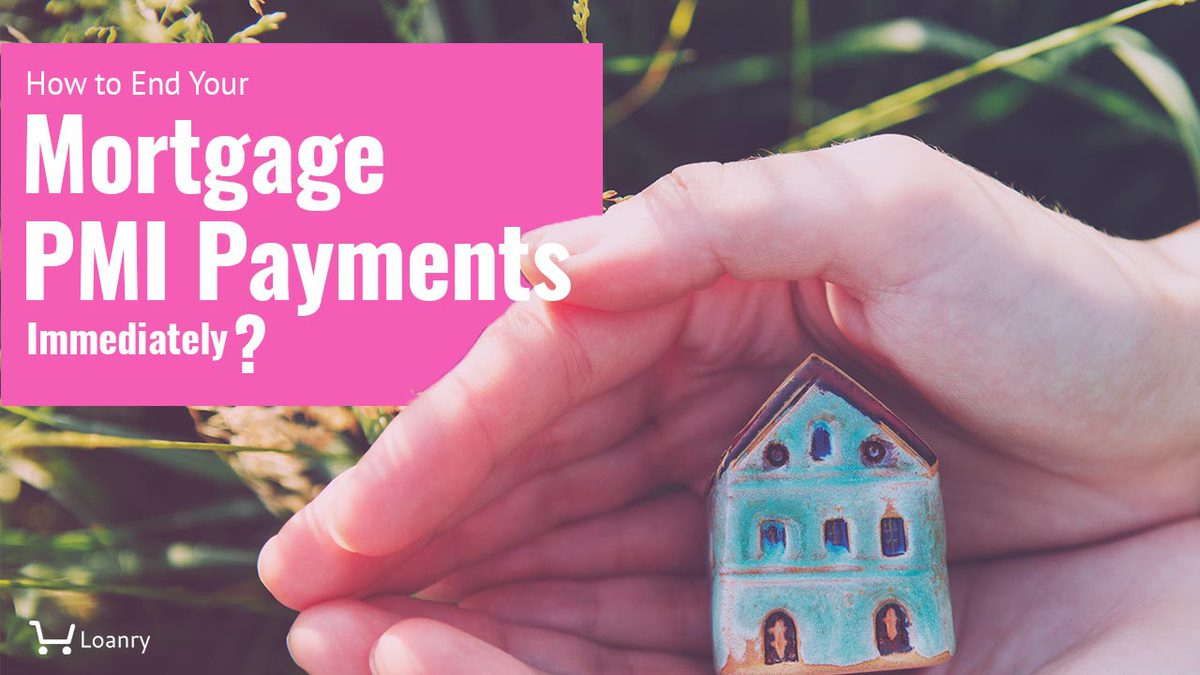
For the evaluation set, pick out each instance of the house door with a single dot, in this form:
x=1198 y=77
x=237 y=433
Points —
x=779 y=639
x=891 y=629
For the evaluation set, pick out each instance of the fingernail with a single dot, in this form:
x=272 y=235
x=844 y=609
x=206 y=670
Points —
x=578 y=236
x=393 y=654
x=268 y=560
x=335 y=509
x=384 y=653
x=372 y=661
x=296 y=644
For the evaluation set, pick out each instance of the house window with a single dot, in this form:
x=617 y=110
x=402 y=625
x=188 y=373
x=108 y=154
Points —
x=775 y=455
x=892 y=539
x=821 y=446
x=837 y=536
x=773 y=538
x=891 y=629
x=779 y=639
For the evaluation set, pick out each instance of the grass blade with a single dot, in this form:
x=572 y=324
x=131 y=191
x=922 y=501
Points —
x=1161 y=77
x=801 y=90
x=876 y=115
x=71 y=439
x=659 y=68
x=176 y=595
x=922 y=36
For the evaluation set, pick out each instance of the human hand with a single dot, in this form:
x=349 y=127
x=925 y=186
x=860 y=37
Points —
x=1055 y=370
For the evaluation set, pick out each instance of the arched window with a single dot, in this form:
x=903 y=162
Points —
x=837 y=535
x=892 y=538
x=891 y=629
x=779 y=639
x=821 y=446
x=772 y=536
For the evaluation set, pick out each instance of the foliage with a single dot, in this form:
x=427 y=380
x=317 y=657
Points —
x=135 y=21
x=144 y=517
x=160 y=517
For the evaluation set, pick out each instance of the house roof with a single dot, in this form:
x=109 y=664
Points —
x=816 y=371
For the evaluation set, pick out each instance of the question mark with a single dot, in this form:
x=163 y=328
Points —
x=257 y=328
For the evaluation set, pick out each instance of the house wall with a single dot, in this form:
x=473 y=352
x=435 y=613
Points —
x=804 y=508
x=834 y=615
x=832 y=596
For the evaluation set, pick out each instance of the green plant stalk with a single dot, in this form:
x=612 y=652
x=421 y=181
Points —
x=226 y=600
x=58 y=420
x=636 y=64
x=802 y=110
x=1160 y=76
x=72 y=439
x=660 y=66
x=98 y=537
x=866 y=118
x=1113 y=103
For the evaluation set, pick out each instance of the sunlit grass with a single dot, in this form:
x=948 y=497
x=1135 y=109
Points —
x=904 y=104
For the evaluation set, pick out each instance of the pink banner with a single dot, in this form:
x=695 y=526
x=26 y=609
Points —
x=277 y=224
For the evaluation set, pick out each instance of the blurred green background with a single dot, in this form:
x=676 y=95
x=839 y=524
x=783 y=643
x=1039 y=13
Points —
x=149 y=519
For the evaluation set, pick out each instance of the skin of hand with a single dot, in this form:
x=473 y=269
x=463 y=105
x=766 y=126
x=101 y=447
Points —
x=541 y=508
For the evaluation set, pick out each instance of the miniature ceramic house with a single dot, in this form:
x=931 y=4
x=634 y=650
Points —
x=827 y=535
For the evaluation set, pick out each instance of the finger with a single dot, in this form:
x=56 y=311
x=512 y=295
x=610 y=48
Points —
x=536 y=362
x=529 y=367
x=304 y=540
x=865 y=215
x=662 y=613
x=336 y=638
x=682 y=451
x=348 y=637
x=595 y=485
x=547 y=650
x=422 y=646
x=595 y=426
x=666 y=535
x=690 y=435
x=589 y=486
x=303 y=543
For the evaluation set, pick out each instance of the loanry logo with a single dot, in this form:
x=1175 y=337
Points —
x=87 y=641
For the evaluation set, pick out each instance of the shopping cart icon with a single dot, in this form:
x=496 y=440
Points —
x=43 y=640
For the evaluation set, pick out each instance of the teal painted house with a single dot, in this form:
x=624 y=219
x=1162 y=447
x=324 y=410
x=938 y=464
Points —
x=827 y=537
